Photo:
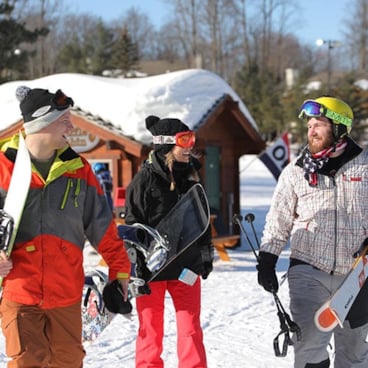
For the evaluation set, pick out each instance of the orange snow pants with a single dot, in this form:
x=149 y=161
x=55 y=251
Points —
x=44 y=338
x=150 y=308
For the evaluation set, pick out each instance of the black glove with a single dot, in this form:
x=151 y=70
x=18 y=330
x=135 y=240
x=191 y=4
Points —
x=113 y=298
x=207 y=269
x=207 y=255
x=266 y=271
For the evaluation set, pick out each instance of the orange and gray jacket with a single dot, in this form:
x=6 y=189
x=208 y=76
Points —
x=60 y=213
x=327 y=223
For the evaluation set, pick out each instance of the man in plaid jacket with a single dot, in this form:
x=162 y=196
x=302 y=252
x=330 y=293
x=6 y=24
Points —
x=320 y=204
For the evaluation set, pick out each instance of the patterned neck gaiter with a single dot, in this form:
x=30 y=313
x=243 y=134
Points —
x=313 y=162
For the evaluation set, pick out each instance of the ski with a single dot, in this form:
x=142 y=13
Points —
x=16 y=196
x=337 y=307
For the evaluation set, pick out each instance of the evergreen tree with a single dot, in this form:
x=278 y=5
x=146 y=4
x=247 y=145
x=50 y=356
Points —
x=98 y=49
x=125 y=53
x=88 y=51
x=71 y=58
x=12 y=34
x=357 y=98
x=262 y=94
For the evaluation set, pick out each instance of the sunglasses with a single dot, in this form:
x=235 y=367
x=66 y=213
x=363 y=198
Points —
x=61 y=101
x=314 y=109
x=182 y=139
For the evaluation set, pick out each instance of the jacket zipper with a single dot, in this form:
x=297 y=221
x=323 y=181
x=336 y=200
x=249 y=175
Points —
x=335 y=227
x=69 y=186
x=76 y=192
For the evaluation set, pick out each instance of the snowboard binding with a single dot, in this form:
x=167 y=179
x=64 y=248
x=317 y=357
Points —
x=95 y=282
x=95 y=316
x=147 y=251
x=6 y=230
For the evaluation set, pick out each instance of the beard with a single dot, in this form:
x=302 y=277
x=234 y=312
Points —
x=318 y=143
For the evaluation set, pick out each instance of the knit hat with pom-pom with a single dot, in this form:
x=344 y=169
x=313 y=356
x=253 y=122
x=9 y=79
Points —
x=164 y=127
x=40 y=107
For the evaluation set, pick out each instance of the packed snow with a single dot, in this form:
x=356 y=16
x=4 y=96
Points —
x=239 y=318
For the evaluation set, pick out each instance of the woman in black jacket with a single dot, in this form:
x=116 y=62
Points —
x=168 y=173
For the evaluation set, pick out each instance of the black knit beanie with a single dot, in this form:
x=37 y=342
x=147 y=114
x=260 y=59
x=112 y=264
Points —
x=40 y=107
x=165 y=127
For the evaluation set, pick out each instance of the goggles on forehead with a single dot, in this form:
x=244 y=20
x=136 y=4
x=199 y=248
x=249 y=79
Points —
x=61 y=101
x=182 y=139
x=314 y=109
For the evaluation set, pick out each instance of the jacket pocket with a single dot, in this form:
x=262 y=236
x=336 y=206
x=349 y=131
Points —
x=9 y=325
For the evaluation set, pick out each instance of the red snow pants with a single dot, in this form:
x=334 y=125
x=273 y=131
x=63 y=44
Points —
x=150 y=308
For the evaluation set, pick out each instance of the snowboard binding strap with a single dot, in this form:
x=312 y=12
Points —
x=95 y=281
x=6 y=230
x=148 y=241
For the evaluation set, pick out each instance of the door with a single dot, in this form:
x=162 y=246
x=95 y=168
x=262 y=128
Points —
x=212 y=176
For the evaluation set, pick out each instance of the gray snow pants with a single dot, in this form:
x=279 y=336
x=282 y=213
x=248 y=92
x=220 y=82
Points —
x=309 y=288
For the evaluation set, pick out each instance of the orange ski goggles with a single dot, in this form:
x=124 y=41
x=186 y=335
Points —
x=61 y=101
x=182 y=139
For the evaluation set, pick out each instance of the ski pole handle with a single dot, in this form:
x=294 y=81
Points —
x=237 y=219
x=250 y=218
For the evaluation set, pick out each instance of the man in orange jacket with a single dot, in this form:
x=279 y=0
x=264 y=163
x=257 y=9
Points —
x=42 y=289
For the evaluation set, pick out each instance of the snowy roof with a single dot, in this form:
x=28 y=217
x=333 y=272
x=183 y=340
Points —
x=125 y=103
x=362 y=83
x=314 y=85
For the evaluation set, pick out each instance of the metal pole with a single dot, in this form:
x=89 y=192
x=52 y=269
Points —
x=331 y=44
x=329 y=65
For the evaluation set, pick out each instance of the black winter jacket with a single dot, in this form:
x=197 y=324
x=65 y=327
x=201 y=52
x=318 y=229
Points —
x=149 y=199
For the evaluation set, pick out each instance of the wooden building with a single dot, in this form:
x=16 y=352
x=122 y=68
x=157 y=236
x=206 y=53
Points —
x=224 y=133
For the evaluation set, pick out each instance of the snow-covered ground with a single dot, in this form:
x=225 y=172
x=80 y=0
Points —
x=239 y=318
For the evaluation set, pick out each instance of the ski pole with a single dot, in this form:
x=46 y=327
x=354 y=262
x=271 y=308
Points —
x=287 y=325
x=238 y=220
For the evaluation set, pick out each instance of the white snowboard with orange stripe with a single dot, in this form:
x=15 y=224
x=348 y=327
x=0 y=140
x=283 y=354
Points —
x=337 y=307
x=16 y=196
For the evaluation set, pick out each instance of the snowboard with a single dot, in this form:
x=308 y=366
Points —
x=337 y=307
x=95 y=317
x=11 y=214
x=152 y=250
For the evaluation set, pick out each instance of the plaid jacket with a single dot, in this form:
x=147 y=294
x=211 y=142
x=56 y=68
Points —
x=326 y=224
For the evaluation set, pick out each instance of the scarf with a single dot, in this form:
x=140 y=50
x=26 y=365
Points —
x=314 y=162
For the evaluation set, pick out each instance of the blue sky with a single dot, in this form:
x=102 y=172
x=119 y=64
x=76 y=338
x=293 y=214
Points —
x=156 y=10
x=316 y=18
x=322 y=19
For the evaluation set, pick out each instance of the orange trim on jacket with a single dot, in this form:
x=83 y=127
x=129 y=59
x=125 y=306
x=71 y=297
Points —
x=60 y=213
